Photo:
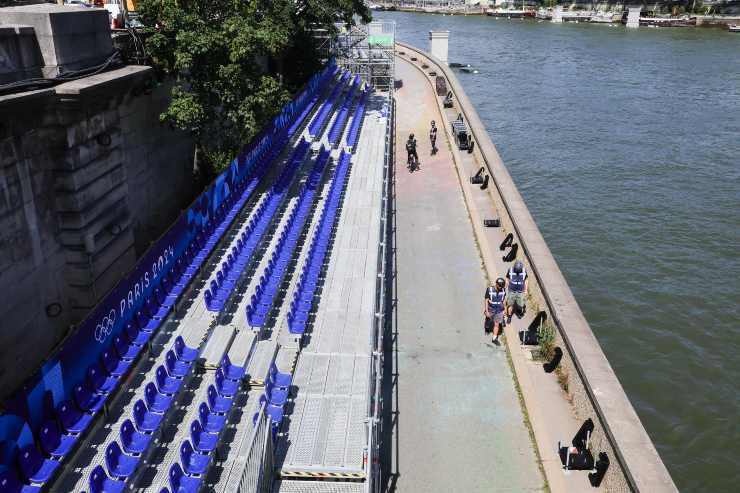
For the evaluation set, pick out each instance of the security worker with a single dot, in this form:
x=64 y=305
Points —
x=493 y=306
x=517 y=284
x=411 y=150
x=433 y=137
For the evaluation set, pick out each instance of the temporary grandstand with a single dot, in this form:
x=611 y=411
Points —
x=367 y=50
x=249 y=360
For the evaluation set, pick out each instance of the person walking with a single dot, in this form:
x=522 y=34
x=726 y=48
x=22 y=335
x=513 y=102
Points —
x=433 y=137
x=516 y=288
x=411 y=151
x=493 y=308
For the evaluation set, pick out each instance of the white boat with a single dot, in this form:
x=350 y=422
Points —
x=544 y=14
x=602 y=18
x=510 y=13
x=734 y=28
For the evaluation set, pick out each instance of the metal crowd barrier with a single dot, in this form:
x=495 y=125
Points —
x=372 y=454
x=258 y=463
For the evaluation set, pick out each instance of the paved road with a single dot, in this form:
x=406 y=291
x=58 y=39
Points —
x=458 y=425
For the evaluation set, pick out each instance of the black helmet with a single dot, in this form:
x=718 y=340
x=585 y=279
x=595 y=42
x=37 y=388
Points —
x=432 y=122
x=518 y=267
x=500 y=283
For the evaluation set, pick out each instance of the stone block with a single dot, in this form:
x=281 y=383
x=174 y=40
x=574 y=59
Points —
x=99 y=208
x=67 y=37
x=20 y=56
x=93 y=194
x=76 y=179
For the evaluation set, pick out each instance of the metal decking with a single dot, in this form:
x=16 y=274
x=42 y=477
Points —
x=326 y=435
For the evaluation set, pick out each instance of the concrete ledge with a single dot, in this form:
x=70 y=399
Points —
x=636 y=455
x=102 y=82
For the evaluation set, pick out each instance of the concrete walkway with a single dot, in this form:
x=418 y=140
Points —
x=457 y=423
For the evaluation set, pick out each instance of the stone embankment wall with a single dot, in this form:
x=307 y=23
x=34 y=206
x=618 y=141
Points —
x=592 y=387
x=88 y=178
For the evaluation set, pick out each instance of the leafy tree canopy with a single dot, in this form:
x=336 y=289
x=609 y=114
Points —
x=235 y=63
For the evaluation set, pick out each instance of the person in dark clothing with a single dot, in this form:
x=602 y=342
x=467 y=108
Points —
x=516 y=287
x=411 y=150
x=493 y=307
x=433 y=137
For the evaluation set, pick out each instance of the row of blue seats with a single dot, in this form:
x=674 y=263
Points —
x=272 y=277
x=303 y=298
x=122 y=460
x=274 y=397
x=329 y=75
x=237 y=260
x=353 y=134
x=57 y=437
x=322 y=115
x=337 y=128
x=219 y=289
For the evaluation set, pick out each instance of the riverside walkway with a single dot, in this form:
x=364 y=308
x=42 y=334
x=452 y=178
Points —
x=458 y=421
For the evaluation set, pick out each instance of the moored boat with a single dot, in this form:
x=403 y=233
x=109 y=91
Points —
x=734 y=28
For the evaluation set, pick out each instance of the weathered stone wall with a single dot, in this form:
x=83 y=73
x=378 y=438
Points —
x=88 y=178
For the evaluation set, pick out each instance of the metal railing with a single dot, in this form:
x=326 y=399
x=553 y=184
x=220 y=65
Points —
x=258 y=463
x=372 y=454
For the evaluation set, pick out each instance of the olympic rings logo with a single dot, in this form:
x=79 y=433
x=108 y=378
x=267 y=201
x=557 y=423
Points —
x=105 y=327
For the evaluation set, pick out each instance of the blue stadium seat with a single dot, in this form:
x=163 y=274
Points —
x=145 y=421
x=100 y=482
x=73 y=421
x=53 y=443
x=276 y=395
x=232 y=371
x=155 y=401
x=225 y=387
x=183 y=352
x=136 y=336
x=217 y=403
x=165 y=383
x=180 y=483
x=194 y=463
x=9 y=483
x=211 y=422
x=125 y=350
x=133 y=442
x=99 y=381
x=283 y=380
x=120 y=465
x=202 y=440
x=114 y=366
x=86 y=400
x=33 y=467
x=176 y=367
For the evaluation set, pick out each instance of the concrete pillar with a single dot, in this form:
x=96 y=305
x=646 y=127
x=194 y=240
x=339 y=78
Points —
x=438 y=44
x=633 y=17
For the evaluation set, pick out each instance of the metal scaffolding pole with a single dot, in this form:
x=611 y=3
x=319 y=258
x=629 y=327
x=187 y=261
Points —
x=367 y=50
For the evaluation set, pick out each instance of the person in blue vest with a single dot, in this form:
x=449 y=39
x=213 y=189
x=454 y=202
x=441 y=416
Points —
x=493 y=307
x=516 y=287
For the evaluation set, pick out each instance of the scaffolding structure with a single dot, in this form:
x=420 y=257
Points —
x=367 y=50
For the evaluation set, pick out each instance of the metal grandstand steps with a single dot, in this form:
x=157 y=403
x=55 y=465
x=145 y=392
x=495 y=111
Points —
x=297 y=486
x=325 y=433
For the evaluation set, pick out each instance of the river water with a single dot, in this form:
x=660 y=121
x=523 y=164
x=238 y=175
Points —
x=626 y=147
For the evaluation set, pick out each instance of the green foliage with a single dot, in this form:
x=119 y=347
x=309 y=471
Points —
x=235 y=63
x=546 y=337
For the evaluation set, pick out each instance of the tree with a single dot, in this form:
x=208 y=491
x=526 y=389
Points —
x=235 y=63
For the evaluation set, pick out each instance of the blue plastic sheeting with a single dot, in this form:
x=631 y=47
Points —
x=143 y=298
